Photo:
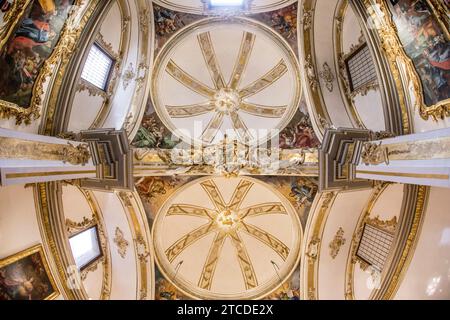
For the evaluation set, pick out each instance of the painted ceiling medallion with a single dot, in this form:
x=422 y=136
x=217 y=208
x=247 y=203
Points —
x=215 y=239
x=229 y=76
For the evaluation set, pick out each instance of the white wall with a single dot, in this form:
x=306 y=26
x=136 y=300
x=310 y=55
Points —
x=428 y=275
x=124 y=270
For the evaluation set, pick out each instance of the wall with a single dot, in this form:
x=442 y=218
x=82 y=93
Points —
x=428 y=275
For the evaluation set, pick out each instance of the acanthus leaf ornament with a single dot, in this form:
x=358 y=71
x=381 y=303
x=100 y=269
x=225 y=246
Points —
x=337 y=242
x=128 y=76
x=327 y=76
x=311 y=73
x=76 y=155
x=121 y=243
x=374 y=153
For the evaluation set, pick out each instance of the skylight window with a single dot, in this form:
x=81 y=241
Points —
x=85 y=247
x=97 y=67
x=226 y=3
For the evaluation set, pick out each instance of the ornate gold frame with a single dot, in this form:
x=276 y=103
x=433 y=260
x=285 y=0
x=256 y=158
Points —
x=60 y=56
x=11 y=18
x=393 y=48
x=25 y=253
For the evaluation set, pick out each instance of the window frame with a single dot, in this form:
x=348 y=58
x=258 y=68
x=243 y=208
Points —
x=105 y=51
x=98 y=257
x=361 y=238
x=347 y=60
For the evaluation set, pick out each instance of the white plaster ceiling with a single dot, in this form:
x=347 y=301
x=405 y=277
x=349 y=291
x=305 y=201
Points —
x=226 y=260
x=267 y=51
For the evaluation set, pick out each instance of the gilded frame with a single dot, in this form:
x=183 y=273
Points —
x=393 y=48
x=60 y=55
x=26 y=253
x=11 y=19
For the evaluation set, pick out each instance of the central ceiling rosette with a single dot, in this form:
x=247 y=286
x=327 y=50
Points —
x=234 y=77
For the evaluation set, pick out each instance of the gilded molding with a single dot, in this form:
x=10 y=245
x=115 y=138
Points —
x=409 y=247
x=44 y=216
x=14 y=148
x=11 y=18
x=59 y=57
x=311 y=75
x=228 y=158
x=340 y=60
x=75 y=227
x=226 y=217
x=91 y=268
x=231 y=220
x=115 y=73
x=28 y=252
x=227 y=101
x=141 y=248
x=128 y=76
x=315 y=234
x=105 y=45
x=374 y=154
x=143 y=73
x=386 y=225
